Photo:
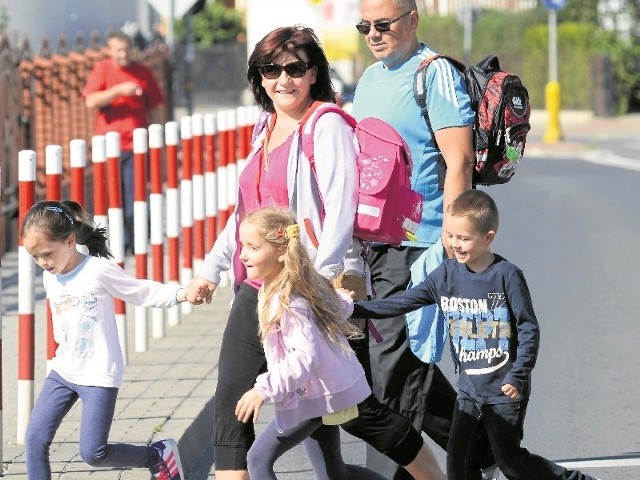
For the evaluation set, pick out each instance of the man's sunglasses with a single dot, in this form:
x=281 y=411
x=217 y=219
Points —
x=380 y=25
x=272 y=71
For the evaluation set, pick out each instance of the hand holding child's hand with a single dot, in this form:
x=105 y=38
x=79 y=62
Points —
x=511 y=391
x=250 y=403
x=349 y=293
x=200 y=290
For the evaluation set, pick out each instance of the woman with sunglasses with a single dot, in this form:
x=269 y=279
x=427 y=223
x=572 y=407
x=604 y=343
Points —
x=288 y=74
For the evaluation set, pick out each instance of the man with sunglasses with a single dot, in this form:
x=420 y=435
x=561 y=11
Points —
x=400 y=379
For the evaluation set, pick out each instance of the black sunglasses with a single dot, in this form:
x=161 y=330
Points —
x=272 y=71
x=380 y=25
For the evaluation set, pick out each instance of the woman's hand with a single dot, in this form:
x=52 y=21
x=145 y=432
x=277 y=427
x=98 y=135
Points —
x=249 y=404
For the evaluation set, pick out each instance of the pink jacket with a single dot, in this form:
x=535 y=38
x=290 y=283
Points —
x=307 y=377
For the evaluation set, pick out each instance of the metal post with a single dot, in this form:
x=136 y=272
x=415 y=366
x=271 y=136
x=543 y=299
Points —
x=552 y=90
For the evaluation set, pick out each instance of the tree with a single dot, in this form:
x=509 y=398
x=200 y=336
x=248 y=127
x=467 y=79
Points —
x=214 y=24
x=580 y=11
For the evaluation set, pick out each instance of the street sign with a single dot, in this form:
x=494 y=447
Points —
x=554 y=4
x=163 y=7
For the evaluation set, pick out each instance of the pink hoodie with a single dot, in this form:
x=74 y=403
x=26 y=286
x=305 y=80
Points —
x=308 y=377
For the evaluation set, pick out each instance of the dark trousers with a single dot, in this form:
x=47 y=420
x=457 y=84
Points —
x=126 y=175
x=384 y=429
x=417 y=390
x=241 y=361
x=501 y=425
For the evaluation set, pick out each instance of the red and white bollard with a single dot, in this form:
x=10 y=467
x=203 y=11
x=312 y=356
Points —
x=173 y=213
x=26 y=296
x=232 y=165
x=78 y=164
x=223 y=179
x=156 y=223
x=223 y=185
x=210 y=179
x=244 y=141
x=186 y=207
x=197 y=130
x=99 y=160
x=116 y=227
x=140 y=229
x=53 y=182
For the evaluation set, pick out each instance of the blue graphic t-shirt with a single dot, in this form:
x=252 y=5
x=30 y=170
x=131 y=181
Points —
x=492 y=325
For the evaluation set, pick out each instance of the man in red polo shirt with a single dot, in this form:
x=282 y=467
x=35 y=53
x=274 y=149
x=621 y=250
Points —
x=127 y=97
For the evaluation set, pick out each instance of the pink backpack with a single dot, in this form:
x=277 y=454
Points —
x=389 y=211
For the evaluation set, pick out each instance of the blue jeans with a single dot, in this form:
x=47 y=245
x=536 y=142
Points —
x=501 y=425
x=98 y=404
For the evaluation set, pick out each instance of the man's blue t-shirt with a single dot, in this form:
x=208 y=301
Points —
x=387 y=93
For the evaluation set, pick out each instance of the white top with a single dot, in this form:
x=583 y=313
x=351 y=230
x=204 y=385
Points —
x=84 y=320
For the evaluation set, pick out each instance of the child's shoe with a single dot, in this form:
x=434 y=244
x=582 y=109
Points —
x=169 y=466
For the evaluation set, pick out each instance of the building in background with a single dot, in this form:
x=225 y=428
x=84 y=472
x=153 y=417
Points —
x=28 y=20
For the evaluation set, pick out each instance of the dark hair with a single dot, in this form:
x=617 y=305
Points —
x=478 y=207
x=58 y=220
x=290 y=40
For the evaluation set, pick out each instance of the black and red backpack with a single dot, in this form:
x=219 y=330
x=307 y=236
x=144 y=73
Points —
x=501 y=104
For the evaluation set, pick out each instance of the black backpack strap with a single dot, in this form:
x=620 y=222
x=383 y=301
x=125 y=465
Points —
x=420 y=95
x=419 y=83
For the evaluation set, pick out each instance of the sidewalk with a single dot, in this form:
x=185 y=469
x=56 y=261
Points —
x=166 y=392
x=581 y=132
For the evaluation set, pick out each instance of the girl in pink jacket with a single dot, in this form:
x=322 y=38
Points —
x=313 y=376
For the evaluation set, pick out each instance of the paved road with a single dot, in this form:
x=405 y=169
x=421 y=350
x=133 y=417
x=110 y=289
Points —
x=572 y=226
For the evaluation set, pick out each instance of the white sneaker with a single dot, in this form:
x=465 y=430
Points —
x=491 y=473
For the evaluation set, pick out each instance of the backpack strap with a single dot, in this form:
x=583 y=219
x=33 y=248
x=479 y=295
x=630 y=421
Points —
x=420 y=94
x=419 y=82
x=307 y=131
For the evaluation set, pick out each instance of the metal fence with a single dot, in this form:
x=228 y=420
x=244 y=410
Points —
x=41 y=104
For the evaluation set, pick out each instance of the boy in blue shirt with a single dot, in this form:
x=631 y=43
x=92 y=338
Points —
x=494 y=336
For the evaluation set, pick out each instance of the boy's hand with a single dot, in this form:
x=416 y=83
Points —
x=511 y=391
x=349 y=293
x=250 y=403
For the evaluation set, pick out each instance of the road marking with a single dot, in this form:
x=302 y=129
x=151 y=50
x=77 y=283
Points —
x=599 y=157
x=602 y=463
x=611 y=160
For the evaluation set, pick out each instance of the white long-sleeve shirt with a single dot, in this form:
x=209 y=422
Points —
x=84 y=320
